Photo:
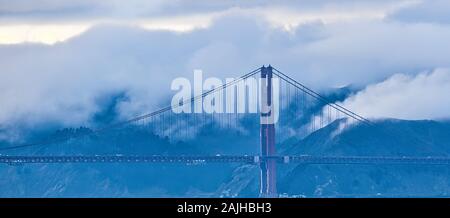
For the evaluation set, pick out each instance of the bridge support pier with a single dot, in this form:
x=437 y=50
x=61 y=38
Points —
x=268 y=186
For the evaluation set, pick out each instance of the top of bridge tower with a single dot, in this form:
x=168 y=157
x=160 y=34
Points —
x=266 y=70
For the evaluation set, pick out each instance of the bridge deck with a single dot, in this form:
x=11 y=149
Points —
x=224 y=159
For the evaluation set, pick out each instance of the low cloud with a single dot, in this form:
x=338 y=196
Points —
x=423 y=96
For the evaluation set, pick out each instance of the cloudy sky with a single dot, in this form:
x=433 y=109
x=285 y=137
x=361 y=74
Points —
x=59 y=57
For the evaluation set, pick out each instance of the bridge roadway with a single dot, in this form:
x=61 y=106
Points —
x=301 y=159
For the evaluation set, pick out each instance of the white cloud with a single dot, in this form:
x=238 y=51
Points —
x=423 y=96
x=45 y=33
x=425 y=11
x=49 y=22
x=62 y=83
x=371 y=51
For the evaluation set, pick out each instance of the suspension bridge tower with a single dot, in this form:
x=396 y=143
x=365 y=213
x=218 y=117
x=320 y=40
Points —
x=268 y=186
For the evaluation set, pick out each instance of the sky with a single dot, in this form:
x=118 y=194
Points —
x=63 y=57
x=52 y=21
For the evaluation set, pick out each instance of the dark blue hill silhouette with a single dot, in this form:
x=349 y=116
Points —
x=390 y=138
